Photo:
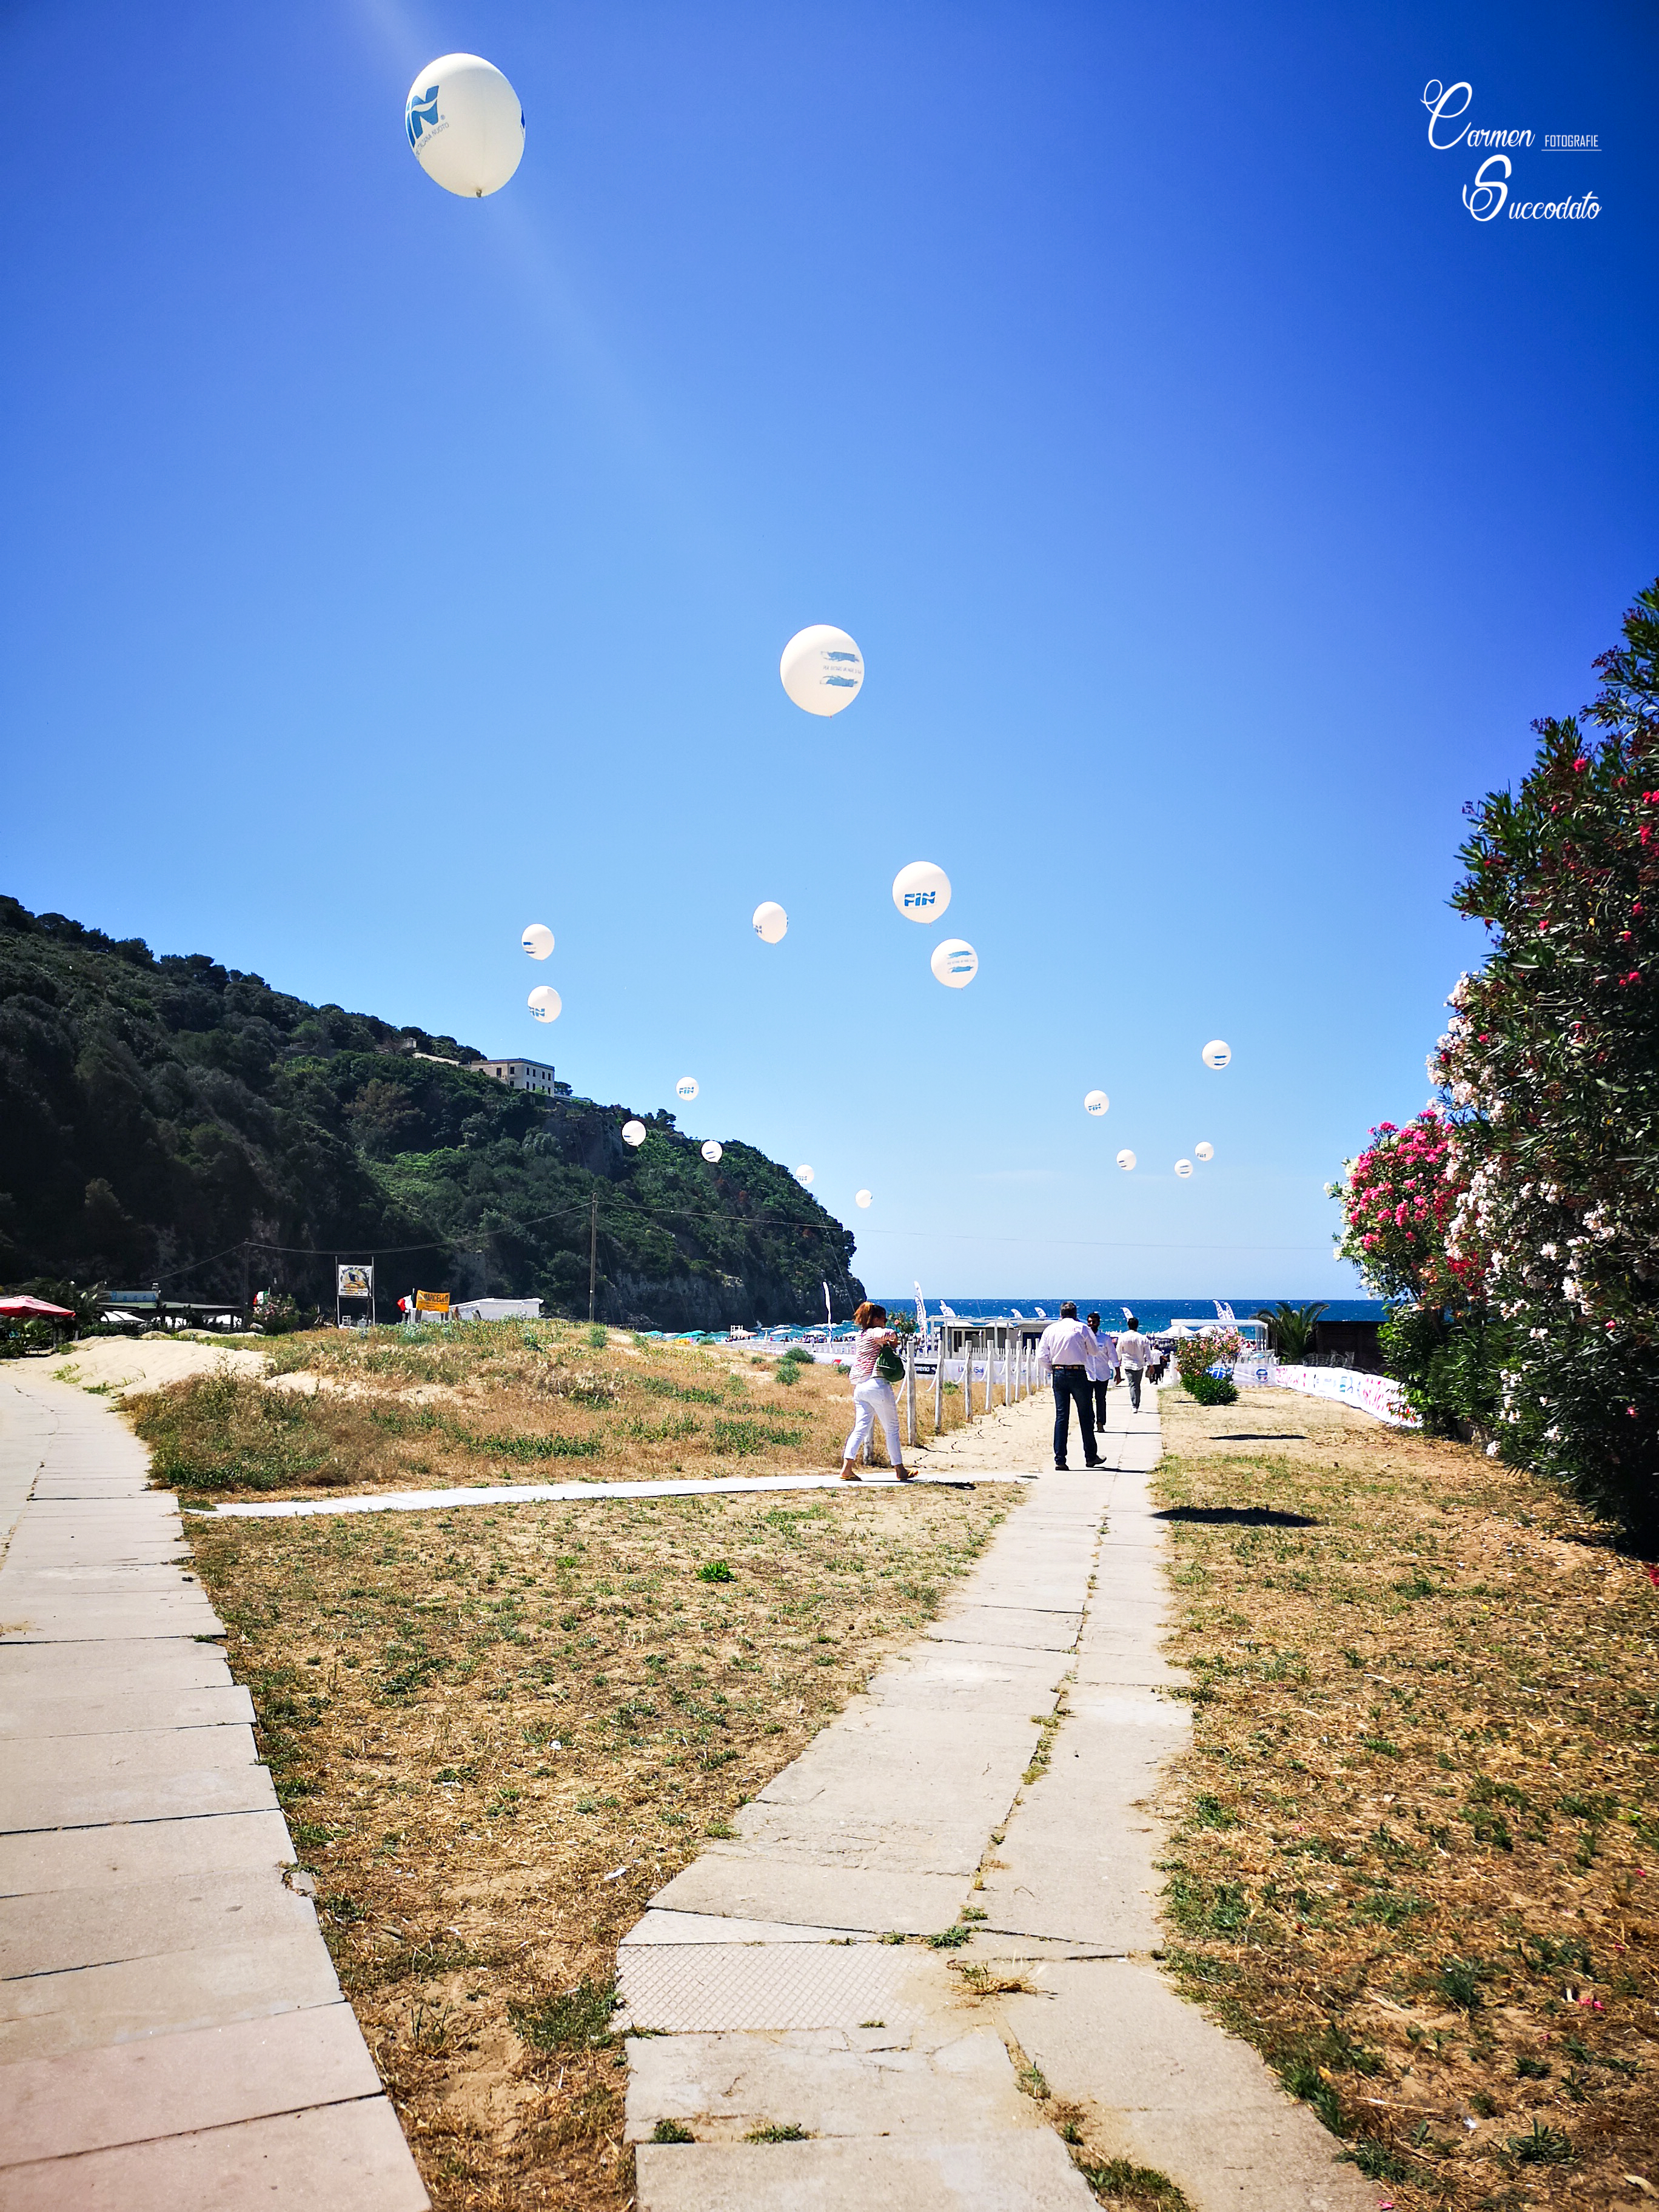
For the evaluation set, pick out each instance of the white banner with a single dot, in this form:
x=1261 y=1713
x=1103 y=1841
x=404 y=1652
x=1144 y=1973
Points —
x=1378 y=1395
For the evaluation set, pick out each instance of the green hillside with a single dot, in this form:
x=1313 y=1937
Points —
x=170 y=1120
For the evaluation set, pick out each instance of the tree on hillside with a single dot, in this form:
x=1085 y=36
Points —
x=1551 y=1063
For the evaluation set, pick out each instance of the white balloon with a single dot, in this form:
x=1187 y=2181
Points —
x=1216 y=1055
x=465 y=125
x=771 y=922
x=1184 y=1167
x=1125 y=1160
x=861 y=1198
x=711 y=1151
x=955 y=962
x=922 y=892
x=802 y=1176
x=1203 y=1152
x=537 y=940
x=546 y=1002
x=1096 y=1102
x=686 y=1087
x=823 y=669
x=633 y=1132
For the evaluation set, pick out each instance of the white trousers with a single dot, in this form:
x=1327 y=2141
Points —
x=871 y=1399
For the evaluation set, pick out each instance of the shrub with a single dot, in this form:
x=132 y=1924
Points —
x=1213 y=1390
x=1196 y=1356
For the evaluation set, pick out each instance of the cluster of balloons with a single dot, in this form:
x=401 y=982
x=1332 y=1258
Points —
x=546 y=1002
x=1096 y=1102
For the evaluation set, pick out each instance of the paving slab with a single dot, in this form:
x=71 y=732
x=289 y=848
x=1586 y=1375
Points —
x=168 y=2085
x=1007 y=1624
x=77 y=1782
x=349 y=2157
x=876 y=1899
x=1027 y=2172
x=141 y=1664
x=66 y=1928
x=657 y=1927
x=678 y=1987
x=142 y=1850
x=37 y=1715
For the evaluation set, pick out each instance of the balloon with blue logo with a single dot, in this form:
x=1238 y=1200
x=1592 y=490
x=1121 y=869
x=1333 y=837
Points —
x=1096 y=1102
x=862 y=1198
x=546 y=1002
x=1183 y=1167
x=1125 y=1160
x=1216 y=1055
x=771 y=922
x=465 y=125
x=537 y=940
x=633 y=1132
x=1203 y=1152
x=922 y=892
x=955 y=963
x=711 y=1151
x=803 y=1176
x=821 y=669
x=686 y=1088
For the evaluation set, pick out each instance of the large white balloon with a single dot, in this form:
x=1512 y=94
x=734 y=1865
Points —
x=771 y=922
x=465 y=125
x=537 y=940
x=711 y=1151
x=1203 y=1152
x=1216 y=1055
x=686 y=1088
x=633 y=1132
x=823 y=669
x=1184 y=1167
x=1125 y=1160
x=1096 y=1102
x=546 y=1002
x=861 y=1198
x=802 y=1176
x=955 y=962
x=922 y=892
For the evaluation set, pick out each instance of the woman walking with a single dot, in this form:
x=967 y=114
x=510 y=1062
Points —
x=873 y=1393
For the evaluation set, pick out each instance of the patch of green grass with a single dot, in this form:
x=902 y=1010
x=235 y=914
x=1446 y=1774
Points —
x=1129 y=2184
x=949 y=1939
x=575 y=2019
x=1543 y=2147
x=670 y=2131
x=1459 y=1981
x=716 y=1570
x=1377 y=2160
x=778 y=2135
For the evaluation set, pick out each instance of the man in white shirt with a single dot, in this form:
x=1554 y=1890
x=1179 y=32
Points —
x=1134 y=1353
x=1102 y=1370
x=1064 y=1350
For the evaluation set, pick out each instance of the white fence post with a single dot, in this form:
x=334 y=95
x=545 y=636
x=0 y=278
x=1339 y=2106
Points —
x=910 y=1392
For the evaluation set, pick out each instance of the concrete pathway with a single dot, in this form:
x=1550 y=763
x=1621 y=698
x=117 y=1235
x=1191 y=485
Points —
x=819 y=2062
x=172 y=2034
x=534 y=1493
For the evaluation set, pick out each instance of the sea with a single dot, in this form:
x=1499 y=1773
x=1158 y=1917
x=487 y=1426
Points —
x=1153 y=1314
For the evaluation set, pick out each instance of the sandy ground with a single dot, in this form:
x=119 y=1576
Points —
x=113 y=1363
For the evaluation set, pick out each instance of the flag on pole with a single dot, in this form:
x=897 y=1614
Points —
x=829 y=1317
x=922 y=1312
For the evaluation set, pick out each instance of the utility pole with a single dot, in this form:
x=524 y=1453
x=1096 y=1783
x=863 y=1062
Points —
x=593 y=1252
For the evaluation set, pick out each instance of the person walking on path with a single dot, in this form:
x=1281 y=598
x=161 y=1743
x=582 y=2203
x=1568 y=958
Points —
x=873 y=1393
x=1064 y=1350
x=1102 y=1366
x=1134 y=1353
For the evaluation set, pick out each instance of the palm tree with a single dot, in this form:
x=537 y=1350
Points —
x=1290 y=1328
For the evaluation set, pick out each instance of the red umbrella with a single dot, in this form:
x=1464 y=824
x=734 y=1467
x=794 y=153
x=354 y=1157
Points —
x=23 y=1308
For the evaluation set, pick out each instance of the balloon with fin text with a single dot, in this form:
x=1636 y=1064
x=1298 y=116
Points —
x=1096 y=1102
x=1216 y=1055
x=711 y=1151
x=1125 y=1160
x=771 y=922
x=861 y=1198
x=1184 y=1167
x=922 y=892
x=955 y=963
x=633 y=1132
x=546 y=1002
x=465 y=125
x=537 y=940
x=821 y=669
x=803 y=1177
x=1203 y=1152
x=686 y=1088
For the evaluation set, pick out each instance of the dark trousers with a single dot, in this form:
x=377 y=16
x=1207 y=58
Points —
x=1132 y=1376
x=1100 y=1390
x=1072 y=1388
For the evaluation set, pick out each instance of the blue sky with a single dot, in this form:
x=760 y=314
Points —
x=1215 y=502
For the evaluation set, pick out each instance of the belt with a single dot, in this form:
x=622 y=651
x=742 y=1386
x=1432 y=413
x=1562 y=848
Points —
x=1068 y=1367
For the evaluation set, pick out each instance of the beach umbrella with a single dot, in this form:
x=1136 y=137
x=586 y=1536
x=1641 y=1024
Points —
x=711 y=1151
x=955 y=962
x=1096 y=1102
x=802 y=1176
x=861 y=1198
x=1216 y=1055
x=686 y=1088
x=546 y=1002
x=1184 y=1167
x=537 y=940
x=1203 y=1152
x=1125 y=1160
x=633 y=1132
x=821 y=669
x=24 y=1308
x=465 y=125
x=771 y=922
x=921 y=891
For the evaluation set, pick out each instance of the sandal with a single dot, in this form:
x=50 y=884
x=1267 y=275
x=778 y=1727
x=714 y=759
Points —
x=904 y=1474
x=850 y=1477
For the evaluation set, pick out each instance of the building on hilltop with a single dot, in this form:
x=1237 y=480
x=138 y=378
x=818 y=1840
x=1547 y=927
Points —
x=521 y=1074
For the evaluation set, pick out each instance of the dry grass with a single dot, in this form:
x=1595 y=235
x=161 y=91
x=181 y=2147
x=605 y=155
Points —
x=497 y=1730
x=1416 y=1844
x=495 y=1402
